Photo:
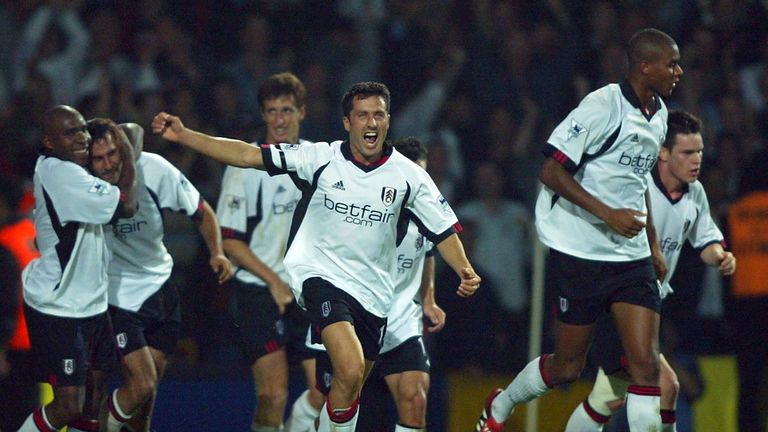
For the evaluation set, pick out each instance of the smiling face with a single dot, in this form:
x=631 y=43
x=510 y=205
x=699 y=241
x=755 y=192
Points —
x=683 y=162
x=367 y=124
x=282 y=117
x=664 y=72
x=66 y=135
x=106 y=162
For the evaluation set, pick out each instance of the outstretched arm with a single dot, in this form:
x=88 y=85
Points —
x=429 y=306
x=209 y=229
x=229 y=151
x=452 y=251
x=716 y=256
x=623 y=221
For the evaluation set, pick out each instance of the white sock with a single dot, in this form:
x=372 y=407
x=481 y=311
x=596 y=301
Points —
x=643 y=408
x=37 y=417
x=401 y=428
x=116 y=418
x=303 y=415
x=327 y=424
x=581 y=421
x=527 y=385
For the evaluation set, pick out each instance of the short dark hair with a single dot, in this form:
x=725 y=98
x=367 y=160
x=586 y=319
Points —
x=644 y=45
x=282 y=84
x=680 y=122
x=411 y=147
x=101 y=127
x=364 y=90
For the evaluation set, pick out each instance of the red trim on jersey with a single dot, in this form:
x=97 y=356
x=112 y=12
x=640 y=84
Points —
x=544 y=375
x=342 y=416
x=594 y=415
x=644 y=390
x=560 y=157
x=457 y=228
x=123 y=197
x=228 y=233
x=271 y=345
x=37 y=417
x=723 y=244
x=668 y=416
x=378 y=163
x=53 y=380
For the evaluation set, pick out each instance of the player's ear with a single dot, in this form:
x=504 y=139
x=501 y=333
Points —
x=345 y=120
x=664 y=154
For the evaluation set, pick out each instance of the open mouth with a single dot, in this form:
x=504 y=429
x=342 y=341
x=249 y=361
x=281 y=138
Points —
x=370 y=137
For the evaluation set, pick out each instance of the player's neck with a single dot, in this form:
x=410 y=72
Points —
x=645 y=95
x=674 y=187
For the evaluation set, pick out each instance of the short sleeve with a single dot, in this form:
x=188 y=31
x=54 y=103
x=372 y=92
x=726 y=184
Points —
x=304 y=159
x=584 y=130
x=232 y=208
x=174 y=191
x=430 y=210
x=704 y=230
x=78 y=196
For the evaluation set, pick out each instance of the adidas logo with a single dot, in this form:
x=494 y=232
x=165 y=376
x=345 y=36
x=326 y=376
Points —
x=280 y=189
x=339 y=185
x=634 y=138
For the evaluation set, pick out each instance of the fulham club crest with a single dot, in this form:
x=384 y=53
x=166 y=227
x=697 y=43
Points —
x=388 y=195
x=69 y=366
x=122 y=340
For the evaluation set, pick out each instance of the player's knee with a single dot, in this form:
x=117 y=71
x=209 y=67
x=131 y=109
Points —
x=645 y=369
x=566 y=371
x=142 y=386
x=669 y=383
x=350 y=378
x=273 y=398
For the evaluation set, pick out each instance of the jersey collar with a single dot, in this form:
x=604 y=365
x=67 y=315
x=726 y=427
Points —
x=631 y=96
x=657 y=180
x=346 y=150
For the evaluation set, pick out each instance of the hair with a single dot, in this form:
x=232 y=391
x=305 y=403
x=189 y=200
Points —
x=364 y=90
x=680 y=122
x=644 y=45
x=99 y=128
x=411 y=147
x=282 y=84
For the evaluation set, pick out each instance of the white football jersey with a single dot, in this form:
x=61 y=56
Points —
x=609 y=145
x=405 y=315
x=258 y=209
x=141 y=264
x=71 y=207
x=351 y=217
x=687 y=218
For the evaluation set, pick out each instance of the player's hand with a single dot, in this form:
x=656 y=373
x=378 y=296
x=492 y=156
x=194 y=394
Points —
x=167 y=126
x=281 y=293
x=470 y=282
x=627 y=222
x=222 y=267
x=436 y=316
x=659 y=265
x=727 y=263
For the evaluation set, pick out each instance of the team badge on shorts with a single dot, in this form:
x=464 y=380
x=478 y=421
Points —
x=68 y=365
x=388 y=195
x=326 y=309
x=327 y=379
x=280 y=327
x=563 y=304
x=122 y=339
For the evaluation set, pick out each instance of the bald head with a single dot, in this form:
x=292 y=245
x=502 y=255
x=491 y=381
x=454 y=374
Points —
x=648 y=45
x=65 y=134
x=54 y=116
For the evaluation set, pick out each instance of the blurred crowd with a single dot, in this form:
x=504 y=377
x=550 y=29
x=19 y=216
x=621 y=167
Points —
x=482 y=82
